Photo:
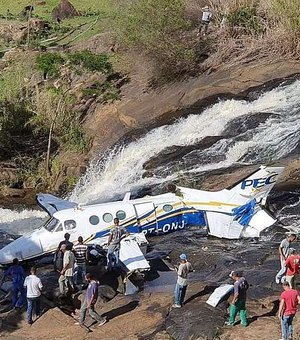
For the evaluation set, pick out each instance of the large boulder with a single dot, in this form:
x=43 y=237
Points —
x=64 y=10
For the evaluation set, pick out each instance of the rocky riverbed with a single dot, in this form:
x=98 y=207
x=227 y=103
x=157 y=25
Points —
x=148 y=315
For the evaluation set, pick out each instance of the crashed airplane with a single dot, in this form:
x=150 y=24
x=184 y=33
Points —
x=230 y=213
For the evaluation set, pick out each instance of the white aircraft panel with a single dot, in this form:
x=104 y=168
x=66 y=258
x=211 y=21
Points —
x=132 y=256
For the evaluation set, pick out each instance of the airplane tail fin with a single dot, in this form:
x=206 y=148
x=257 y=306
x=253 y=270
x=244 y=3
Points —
x=257 y=185
x=51 y=204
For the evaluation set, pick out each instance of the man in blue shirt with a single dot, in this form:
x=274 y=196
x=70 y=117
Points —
x=89 y=302
x=17 y=274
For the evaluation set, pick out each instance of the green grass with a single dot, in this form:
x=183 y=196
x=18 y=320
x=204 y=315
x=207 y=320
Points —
x=103 y=7
x=16 y=6
x=15 y=76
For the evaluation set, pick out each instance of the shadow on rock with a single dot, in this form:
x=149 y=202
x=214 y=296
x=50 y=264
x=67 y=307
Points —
x=272 y=312
x=205 y=291
x=121 y=310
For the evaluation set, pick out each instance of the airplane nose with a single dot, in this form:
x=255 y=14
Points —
x=23 y=248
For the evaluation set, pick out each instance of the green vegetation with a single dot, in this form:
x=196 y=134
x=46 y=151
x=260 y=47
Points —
x=49 y=63
x=106 y=91
x=247 y=18
x=44 y=96
x=91 y=61
x=91 y=7
x=15 y=76
x=155 y=28
x=288 y=13
x=13 y=118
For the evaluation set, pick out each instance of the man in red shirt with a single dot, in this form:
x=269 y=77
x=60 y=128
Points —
x=287 y=310
x=292 y=265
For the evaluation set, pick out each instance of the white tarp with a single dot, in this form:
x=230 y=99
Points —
x=218 y=294
x=132 y=256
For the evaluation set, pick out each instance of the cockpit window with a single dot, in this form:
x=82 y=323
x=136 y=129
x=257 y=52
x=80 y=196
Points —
x=51 y=225
x=70 y=224
x=59 y=228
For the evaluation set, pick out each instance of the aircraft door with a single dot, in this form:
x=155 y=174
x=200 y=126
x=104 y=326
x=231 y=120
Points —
x=146 y=217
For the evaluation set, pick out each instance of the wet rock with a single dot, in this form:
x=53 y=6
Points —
x=176 y=152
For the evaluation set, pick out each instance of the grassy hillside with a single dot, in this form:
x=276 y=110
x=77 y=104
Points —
x=44 y=11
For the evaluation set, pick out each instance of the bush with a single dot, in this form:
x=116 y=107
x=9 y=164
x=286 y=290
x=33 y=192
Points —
x=247 y=18
x=155 y=27
x=49 y=63
x=106 y=91
x=91 y=61
x=13 y=118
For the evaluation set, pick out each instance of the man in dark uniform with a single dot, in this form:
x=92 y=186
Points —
x=58 y=256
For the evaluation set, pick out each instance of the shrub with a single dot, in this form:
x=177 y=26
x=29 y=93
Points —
x=49 y=63
x=247 y=18
x=92 y=61
x=105 y=91
x=155 y=27
x=13 y=118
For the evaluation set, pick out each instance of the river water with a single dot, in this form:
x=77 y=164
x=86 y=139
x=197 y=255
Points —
x=236 y=132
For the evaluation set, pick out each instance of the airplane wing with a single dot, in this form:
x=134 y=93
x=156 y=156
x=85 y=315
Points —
x=51 y=204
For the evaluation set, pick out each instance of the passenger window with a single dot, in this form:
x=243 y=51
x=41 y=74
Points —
x=167 y=207
x=121 y=215
x=59 y=228
x=107 y=217
x=94 y=220
x=70 y=224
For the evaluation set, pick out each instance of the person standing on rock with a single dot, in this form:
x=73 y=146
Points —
x=89 y=302
x=284 y=248
x=238 y=303
x=80 y=252
x=17 y=274
x=183 y=270
x=292 y=264
x=280 y=276
x=65 y=280
x=287 y=310
x=113 y=244
x=34 y=287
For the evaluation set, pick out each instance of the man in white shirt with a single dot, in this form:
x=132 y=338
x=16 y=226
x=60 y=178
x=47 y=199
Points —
x=206 y=18
x=34 y=287
x=65 y=280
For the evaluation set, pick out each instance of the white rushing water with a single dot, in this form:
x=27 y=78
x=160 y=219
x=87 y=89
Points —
x=121 y=169
x=18 y=222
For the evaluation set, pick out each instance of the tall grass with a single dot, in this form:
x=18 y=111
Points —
x=155 y=27
x=255 y=29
